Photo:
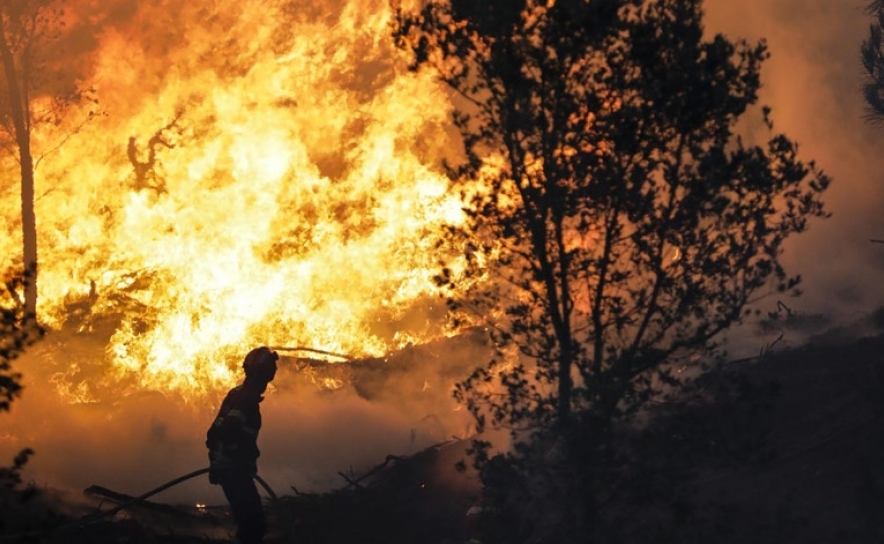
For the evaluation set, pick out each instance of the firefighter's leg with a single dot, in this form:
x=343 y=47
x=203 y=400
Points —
x=246 y=507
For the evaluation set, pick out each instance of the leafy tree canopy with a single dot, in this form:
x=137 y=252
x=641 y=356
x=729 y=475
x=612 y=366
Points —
x=615 y=216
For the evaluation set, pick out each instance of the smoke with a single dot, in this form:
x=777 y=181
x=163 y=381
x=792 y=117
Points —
x=133 y=443
x=812 y=82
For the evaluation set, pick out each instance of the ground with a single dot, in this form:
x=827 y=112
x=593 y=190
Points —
x=796 y=455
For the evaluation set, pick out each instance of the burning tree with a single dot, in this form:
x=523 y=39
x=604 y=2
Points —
x=873 y=62
x=32 y=95
x=619 y=221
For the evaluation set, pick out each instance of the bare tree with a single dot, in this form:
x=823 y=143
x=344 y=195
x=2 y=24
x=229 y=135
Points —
x=27 y=29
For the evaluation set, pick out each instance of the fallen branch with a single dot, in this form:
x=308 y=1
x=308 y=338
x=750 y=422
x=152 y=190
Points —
x=356 y=482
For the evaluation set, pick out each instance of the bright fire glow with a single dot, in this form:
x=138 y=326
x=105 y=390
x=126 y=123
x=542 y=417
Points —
x=293 y=198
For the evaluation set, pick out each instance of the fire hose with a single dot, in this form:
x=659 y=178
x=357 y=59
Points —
x=167 y=485
x=107 y=513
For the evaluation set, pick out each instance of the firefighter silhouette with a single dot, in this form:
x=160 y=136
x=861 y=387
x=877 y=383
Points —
x=233 y=445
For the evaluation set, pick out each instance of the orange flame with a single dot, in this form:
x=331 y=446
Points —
x=279 y=189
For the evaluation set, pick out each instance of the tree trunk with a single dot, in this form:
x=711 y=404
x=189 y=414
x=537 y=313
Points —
x=19 y=112
x=565 y=387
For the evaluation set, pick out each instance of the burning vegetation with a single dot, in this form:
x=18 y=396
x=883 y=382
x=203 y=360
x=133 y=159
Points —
x=247 y=174
x=450 y=218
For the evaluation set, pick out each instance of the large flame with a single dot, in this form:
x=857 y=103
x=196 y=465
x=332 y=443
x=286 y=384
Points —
x=262 y=173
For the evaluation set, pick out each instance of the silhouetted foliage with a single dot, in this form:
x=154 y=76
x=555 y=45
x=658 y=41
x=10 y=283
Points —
x=10 y=477
x=615 y=225
x=873 y=62
x=16 y=334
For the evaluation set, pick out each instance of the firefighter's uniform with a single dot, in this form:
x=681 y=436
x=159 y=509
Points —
x=233 y=446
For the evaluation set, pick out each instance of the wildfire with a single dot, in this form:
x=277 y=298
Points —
x=263 y=172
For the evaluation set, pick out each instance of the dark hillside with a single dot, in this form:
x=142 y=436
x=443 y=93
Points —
x=818 y=475
x=790 y=450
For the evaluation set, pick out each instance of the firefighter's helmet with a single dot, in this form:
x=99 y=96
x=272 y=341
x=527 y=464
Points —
x=261 y=363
